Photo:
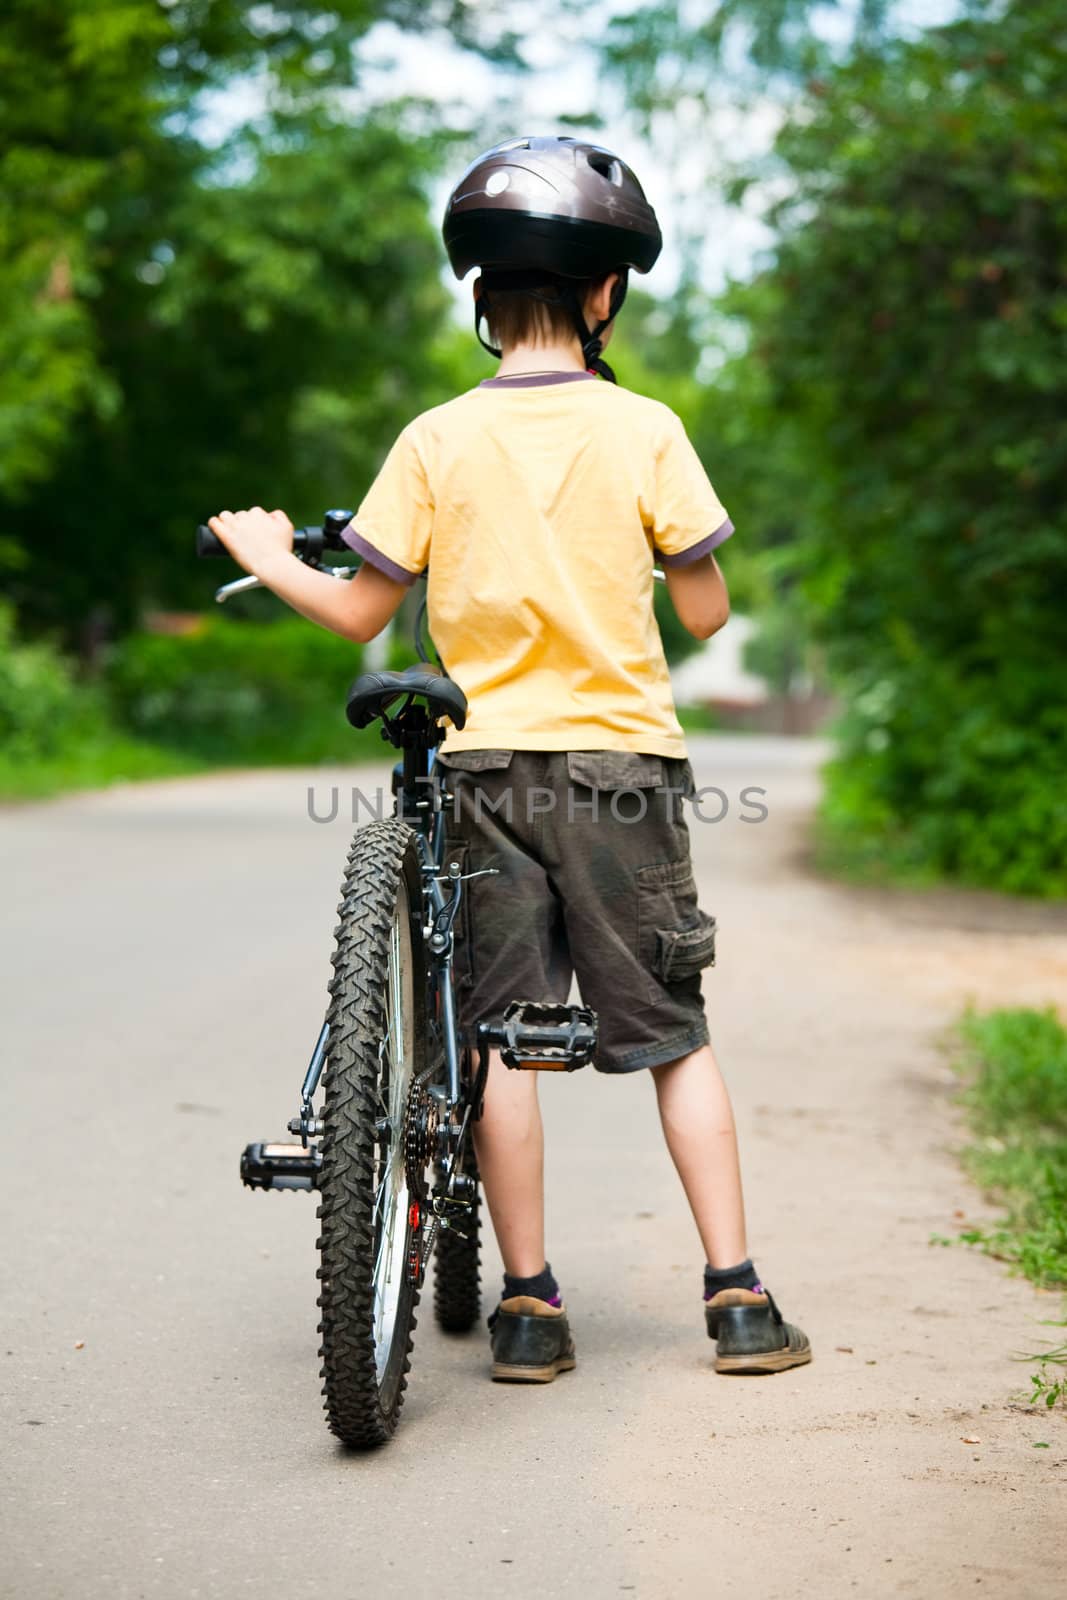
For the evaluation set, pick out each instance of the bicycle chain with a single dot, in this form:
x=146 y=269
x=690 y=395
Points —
x=419 y=1153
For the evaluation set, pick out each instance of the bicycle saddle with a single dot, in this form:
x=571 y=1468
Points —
x=373 y=692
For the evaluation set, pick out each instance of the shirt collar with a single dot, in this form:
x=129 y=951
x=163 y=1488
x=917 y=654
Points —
x=535 y=380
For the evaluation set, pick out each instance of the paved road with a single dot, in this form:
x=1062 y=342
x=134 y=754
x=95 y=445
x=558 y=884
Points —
x=164 y=963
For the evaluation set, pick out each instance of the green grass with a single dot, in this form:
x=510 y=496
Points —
x=108 y=756
x=698 y=719
x=93 y=764
x=875 y=855
x=115 y=758
x=1014 y=1069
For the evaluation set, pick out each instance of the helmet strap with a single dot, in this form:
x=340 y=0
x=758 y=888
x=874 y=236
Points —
x=481 y=309
x=530 y=284
x=590 y=339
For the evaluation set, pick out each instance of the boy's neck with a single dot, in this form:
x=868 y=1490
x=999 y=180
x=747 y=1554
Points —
x=527 y=359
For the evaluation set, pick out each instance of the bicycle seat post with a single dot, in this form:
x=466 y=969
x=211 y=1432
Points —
x=415 y=733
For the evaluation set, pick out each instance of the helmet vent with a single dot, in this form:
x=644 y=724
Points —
x=606 y=166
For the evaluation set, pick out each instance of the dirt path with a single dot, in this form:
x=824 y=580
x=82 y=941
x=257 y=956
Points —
x=164 y=965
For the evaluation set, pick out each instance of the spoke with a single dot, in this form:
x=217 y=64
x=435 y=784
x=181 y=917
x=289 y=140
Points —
x=389 y=1219
x=387 y=1234
x=382 y=1052
x=385 y=1186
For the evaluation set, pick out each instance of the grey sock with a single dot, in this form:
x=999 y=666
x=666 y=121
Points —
x=743 y=1276
x=542 y=1286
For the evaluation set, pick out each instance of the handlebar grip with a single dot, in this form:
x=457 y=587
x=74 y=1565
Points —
x=208 y=543
x=307 y=542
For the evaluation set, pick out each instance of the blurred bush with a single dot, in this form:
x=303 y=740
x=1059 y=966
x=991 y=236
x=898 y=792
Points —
x=186 y=324
x=42 y=706
x=229 y=692
x=934 y=775
x=884 y=412
x=237 y=692
x=906 y=373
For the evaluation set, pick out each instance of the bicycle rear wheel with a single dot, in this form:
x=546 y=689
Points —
x=377 y=1047
x=457 y=1299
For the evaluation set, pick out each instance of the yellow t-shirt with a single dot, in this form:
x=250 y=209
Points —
x=541 y=504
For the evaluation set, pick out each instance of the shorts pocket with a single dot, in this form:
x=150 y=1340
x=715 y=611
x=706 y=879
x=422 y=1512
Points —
x=459 y=850
x=475 y=760
x=614 y=769
x=679 y=775
x=682 y=951
x=675 y=938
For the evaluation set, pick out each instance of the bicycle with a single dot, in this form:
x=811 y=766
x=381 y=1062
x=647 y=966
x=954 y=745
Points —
x=400 y=1087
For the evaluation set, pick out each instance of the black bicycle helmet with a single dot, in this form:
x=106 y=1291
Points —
x=537 y=211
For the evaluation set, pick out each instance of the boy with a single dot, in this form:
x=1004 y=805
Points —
x=545 y=496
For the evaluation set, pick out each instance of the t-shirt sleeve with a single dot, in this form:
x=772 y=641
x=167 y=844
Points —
x=394 y=522
x=686 y=518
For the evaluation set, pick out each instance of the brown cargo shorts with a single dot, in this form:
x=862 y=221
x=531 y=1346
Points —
x=595 y=881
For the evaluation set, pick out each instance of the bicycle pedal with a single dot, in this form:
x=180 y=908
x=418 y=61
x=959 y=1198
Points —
x=280 y=1166
x=535 y=1035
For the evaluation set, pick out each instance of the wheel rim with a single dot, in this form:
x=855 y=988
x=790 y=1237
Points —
x=391 y=1197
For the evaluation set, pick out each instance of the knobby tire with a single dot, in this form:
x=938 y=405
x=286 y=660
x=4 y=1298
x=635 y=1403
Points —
x=362 y=1399
x=457 y=1300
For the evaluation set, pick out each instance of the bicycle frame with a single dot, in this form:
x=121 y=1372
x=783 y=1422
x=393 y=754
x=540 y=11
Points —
x=424 y=802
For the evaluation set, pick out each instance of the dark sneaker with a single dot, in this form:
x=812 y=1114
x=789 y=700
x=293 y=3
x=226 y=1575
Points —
x=751 y=1334
x=531 y=1340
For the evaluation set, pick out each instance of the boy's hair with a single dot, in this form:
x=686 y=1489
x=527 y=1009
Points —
x=516 y=317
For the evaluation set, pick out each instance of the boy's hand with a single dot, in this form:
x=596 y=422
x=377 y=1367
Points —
x=255 y=537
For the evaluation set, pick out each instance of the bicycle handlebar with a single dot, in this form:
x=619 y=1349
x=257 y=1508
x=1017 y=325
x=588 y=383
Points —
x=307 y=542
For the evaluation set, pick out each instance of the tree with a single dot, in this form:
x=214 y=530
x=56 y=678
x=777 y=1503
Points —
x=916 y=336
x=904 y=376
x=182 y=327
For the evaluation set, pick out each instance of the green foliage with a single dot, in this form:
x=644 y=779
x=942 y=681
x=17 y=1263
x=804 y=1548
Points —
x=42 y=706
x=938 y=772
x=668 y=55
x=184 y=328
x=231 y=693
x=893 y=436
x=903 y=384
x=100 y=755
x=75 y=123
x=698 y=719
x=657 y=350
x=1018 y=1072
x=1014 y=1067
x=241 y=692
x=56 y=732
x=1048 y=1385
x=1015 y=1070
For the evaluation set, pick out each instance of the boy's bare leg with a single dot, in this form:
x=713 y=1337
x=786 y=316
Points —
x=698 y=1123
x=510 y=1145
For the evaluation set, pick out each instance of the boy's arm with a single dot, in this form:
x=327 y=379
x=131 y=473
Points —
x=699 y=596
x=262 y=542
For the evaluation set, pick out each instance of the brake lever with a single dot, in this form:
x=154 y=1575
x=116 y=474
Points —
x=238 y=586
x=242 y=585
